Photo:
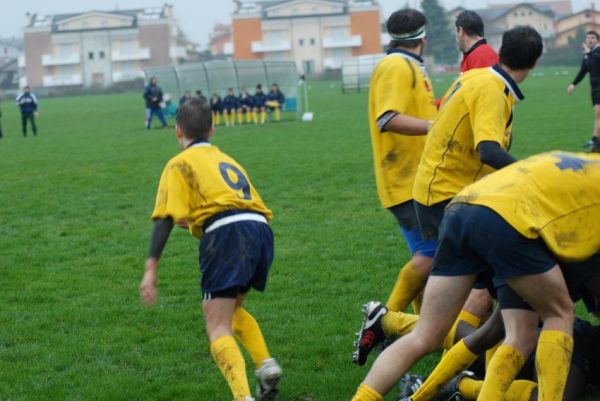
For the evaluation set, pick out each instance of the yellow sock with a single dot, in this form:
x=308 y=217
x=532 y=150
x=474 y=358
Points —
x=417 y=302
x=277 y=114
x=457 y=359
x=466 y=317
x=366 y=393
x=232 y=118
x=217 y=119
x=263 y=117
x=470 y=388
x=552 y=362
x=230 y=361
x=503 y=368
x=247 y=331
x=398 y=323
x=248 y=117
x=490 y=353
x=226 y=118
x=240 y=118
x=520 y=390
x=255 y=117
x=409 y=283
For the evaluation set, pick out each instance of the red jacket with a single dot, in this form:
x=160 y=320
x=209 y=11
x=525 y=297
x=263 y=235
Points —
x=478 y=56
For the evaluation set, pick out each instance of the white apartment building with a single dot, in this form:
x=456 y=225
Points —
x=98 y=48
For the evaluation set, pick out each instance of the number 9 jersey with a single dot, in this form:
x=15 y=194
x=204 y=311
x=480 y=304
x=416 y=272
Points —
x=201 y=182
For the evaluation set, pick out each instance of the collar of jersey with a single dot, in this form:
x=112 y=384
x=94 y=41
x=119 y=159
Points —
x=199 y=142
x=510 y=83
x=475 y=46
x=405 y=54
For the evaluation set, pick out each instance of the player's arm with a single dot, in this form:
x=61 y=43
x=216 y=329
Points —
x=580 y=75
x=160 y=234
x=403 y=124
x=492 y=154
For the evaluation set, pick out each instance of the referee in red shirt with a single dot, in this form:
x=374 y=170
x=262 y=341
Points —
x=471 y=41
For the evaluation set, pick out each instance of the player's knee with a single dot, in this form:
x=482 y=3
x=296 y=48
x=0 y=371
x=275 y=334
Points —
x=422 y=263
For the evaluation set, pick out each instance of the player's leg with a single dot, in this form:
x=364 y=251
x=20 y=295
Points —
x=278 y=112
x=24 y=123
x=226 y=116
x=443 y=299
x=148 y=124
x=33 y=127
x=218 y=313
x=161 y=117
x=248 y=332
x=597 y=120
x=263 y=114
x=547 y=293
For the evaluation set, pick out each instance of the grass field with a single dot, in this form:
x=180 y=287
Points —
x=74 y=231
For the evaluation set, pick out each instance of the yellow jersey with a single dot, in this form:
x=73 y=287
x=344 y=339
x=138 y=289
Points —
x=201 y=182
x=399 y=84
x=555 y=196
x=477 y=107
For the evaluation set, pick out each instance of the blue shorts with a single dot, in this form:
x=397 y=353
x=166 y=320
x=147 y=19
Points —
x=430 y=218
x=475 y=240
x=406 y=216
x=236 y=255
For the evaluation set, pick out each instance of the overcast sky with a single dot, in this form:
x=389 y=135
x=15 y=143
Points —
x=196 y=17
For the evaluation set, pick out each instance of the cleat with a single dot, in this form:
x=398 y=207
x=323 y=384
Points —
x=409 y=384
x=449 y=391
x=268 y=377
x=371 y=332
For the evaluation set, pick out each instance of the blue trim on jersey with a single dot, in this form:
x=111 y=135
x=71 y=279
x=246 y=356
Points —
x=196 y=142
x=511 y=82
x=417 y=244
x=406 y=53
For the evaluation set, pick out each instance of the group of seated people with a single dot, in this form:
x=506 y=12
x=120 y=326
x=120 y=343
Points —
x=253 y=107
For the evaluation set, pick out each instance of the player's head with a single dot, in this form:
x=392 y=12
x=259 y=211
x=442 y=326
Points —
x=198 y=93
x=153 y=81
x=259 y=88
x=230 y=91
x=469 y=27
x=194 y=120
x=407 y=29
x=591 y=38
x=275 y=87
x=521 y=48
x=27 y=89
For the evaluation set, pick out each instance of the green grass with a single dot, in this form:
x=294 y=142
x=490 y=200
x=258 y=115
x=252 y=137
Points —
x=74 y=230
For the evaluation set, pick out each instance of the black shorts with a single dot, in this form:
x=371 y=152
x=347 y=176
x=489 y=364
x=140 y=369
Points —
x=596 y=97
x=577 y=274
x=406 y=215
x=430 y=218
x=475 y=240
x=236 y=257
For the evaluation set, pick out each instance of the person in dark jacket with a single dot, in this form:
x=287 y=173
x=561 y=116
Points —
x=260 y=100
x=591 y=64
x=187 y=96
x=245 y=105
x=28 y=104
x=275 y=100
x=216 y=107
x=154 y=96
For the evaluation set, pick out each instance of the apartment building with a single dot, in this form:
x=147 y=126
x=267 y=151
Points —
x=567 y=27
x=315 y=34
x=220 y=40
x=98 y=48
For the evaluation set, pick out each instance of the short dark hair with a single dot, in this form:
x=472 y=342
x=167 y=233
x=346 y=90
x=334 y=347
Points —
x=194 y=118
x=405 y=21
x=521 y=47
x=470 y=22
x=593 y=33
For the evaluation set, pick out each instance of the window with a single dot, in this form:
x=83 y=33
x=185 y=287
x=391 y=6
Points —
x=515 y=14
x=522 y=13
x=90 y=55
x=339 y=33
x=530 y=13
x=101 y=55
x=301 y=42
x=312 y=41
x=127 y=46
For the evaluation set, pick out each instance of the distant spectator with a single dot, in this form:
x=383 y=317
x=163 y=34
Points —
x=216 y=107
x=154 y=96
x=275 y=100
x=187 y=96
x=230 y=105
x=170 y=108
x=28 y=104
x=245 y=105
x=0 y=124
x=200 y=96
x=260 y=100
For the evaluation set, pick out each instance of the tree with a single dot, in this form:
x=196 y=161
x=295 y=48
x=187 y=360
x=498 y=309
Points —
x=440 y=39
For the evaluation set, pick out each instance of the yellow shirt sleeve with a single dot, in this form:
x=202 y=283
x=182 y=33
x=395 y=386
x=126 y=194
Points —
x=393 y=83
x=487 y=114
x=172 y=199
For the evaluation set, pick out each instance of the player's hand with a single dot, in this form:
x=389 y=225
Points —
x=36 y=114
x=585 y=47
x=183 y=224
x=148 y=293
x=570 y=89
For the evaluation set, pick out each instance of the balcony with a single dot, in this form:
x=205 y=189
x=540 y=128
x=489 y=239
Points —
x=121 y=76
x=62 y=80
x=337 y=43
x=177 y=52
x=51 y=59
x=332 y=63
x=21 y=61
x=262 y=47
x=135 y=55
x=228 y=49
